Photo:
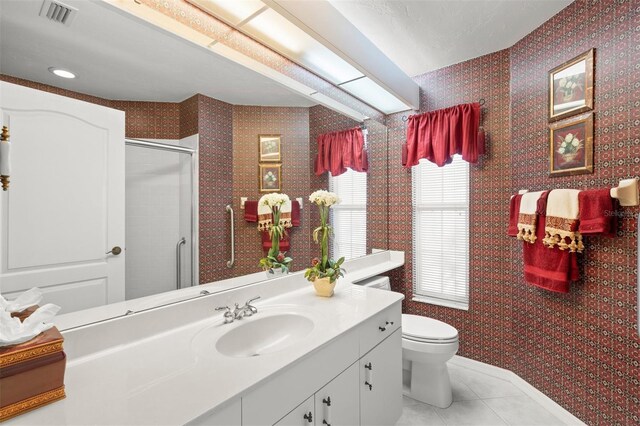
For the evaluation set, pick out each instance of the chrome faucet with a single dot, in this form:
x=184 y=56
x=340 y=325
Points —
x=248 y=308
x=238 y=312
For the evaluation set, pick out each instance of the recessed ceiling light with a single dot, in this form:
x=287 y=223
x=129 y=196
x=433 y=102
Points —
x=62 y=73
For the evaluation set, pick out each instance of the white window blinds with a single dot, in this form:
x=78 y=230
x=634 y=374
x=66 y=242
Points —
x=441 y=233
x=349 y=218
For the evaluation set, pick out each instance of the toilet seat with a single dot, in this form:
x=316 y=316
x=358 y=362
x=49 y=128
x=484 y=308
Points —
x=427 y=330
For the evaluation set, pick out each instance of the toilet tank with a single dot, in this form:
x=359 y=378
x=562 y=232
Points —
x=378 y=281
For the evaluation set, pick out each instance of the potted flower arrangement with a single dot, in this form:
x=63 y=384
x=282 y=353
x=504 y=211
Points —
x=275 y=261
x=324 y=271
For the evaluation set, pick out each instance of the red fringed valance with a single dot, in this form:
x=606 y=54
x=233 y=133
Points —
x=338 y=151
x=438 y=135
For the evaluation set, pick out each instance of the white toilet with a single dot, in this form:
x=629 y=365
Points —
x=427 y=345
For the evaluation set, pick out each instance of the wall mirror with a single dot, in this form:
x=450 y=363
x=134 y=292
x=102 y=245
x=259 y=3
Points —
x=192 y=122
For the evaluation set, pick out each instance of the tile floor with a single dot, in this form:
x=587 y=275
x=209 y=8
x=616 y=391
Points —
x=481 y=400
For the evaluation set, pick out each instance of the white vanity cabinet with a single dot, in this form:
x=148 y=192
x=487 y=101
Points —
x=300 y=394
x=381 y=382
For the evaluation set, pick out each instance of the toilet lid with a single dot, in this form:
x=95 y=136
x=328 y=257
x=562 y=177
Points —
x=417 y=327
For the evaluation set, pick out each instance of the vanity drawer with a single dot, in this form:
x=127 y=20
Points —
x=379 y=327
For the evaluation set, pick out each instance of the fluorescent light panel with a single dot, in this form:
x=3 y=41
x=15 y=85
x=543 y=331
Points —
x=371 y=93
x=230 y=11
x=287 y=39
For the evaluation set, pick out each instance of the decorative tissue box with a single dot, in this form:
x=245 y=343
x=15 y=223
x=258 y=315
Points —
x=31 y=374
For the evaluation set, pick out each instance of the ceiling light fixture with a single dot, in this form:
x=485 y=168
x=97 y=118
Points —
x=61 y=73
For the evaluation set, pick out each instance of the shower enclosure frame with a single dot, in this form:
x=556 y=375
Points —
x=195 y=195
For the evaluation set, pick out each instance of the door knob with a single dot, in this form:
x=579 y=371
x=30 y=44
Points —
x=115 y=251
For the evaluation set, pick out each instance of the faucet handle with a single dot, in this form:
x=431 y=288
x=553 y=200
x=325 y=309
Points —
x=251 y=309
x=222 y=308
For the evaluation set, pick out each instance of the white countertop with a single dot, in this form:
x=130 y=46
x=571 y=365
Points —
x=127 y=371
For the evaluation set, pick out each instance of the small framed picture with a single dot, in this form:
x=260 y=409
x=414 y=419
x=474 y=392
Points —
x=571 y=146
x=269 y=147
x=270 y=177
x=571 y=87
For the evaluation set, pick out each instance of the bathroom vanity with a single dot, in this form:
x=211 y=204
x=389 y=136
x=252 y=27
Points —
x=301 y=359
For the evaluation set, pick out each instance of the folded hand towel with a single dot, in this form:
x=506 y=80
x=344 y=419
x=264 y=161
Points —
x=295 y=213
x=514 y=211
x=552 y=269
x=562 y=220
x=265 y=215
x=597 y=213
x=527 y=216
x=251 y=211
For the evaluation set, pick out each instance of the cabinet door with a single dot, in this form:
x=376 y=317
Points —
x=381 y=383
x=302 y=415
x=337 y=403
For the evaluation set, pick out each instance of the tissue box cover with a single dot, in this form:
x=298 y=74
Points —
x=31 y=374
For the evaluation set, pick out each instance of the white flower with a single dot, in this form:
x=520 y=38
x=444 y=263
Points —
x=561 y=150
x=563 y=82
x=575 y=142
x=563 y=144
x=324 y=198
x=568 y=137
x=275 y=199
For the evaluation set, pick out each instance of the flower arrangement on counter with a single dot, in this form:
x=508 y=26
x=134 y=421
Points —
x=324 y=268
x=275 y=259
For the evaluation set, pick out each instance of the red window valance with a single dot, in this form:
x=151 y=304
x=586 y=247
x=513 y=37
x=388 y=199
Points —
x=438 y=135
x=338 y=151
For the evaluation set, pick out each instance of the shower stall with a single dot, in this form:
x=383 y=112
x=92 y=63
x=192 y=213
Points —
x=161 y=215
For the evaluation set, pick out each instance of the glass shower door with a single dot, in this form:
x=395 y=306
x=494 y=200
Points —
x=159 y=218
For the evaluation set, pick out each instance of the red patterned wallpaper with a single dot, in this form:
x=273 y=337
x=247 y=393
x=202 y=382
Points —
x=484 y=329
x=580 y=349
x=293 y=126
x=215 y=152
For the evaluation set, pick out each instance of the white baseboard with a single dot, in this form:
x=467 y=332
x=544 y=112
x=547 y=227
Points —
x=533 y=393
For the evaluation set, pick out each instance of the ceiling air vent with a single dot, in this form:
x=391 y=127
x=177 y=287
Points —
x=58 y=12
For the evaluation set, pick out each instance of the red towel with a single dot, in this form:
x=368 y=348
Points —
x=514 y=211
x=266 y=242
x=295 y=213
x=251 y=211
x=549 y=268
x=597 y=213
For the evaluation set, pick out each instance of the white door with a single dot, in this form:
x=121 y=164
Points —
x=65 y=207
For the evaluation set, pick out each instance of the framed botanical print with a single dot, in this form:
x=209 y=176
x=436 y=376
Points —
x=269 y=147
x=571 y=146
x=270 y=175
x=571 y=87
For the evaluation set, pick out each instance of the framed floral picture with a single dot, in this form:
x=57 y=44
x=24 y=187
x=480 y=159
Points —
x=571 y=146
x=269 y=147
x=571 y=87
x=270 y=175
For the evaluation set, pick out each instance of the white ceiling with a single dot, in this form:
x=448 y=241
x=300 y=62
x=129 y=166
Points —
x=424 y=35
x=121 y=57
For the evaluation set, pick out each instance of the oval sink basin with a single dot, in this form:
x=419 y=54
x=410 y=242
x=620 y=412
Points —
x=264 y=335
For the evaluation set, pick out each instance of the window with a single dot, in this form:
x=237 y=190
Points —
x=349 y=218
x=441 y=233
